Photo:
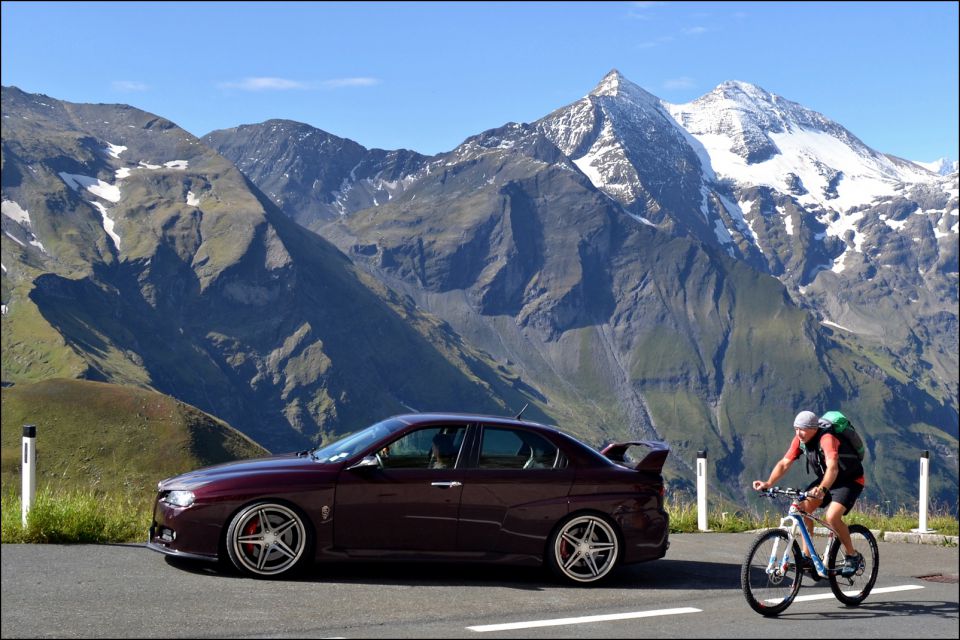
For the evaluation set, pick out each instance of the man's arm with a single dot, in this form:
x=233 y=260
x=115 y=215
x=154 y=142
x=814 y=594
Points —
x=831 y=454
x=833 y=469
x=779 y=470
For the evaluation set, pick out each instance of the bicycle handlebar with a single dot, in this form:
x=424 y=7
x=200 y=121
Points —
x=786 y=491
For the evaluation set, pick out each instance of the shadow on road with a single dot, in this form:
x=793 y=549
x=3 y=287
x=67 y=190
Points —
x=659 y=574
x=870 y=610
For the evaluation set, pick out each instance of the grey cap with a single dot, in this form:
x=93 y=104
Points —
x=806 y=420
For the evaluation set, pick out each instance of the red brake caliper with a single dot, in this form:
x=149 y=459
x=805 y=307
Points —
x=250 y=530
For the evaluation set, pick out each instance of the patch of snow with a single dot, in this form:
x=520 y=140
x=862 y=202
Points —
x=606 y=166
x=122 y=173
x=15 y=212
x=721 y=231
x=147 y=165
x=941 y=166
x=834 y=324
x=108 y=223
x=838 y=264
x=814 y=156
x=844 y=223
x=115 y=149
x=787 y=220
x=641 y=219
x=192 y=200
x=177 y=164
x=585 y=164
x=93 y=185
x=896 y=225
x=7 y=233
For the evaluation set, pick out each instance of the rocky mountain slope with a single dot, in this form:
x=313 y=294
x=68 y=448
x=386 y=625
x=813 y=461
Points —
x=603 y=263
x=867 y=241
x=608 y=255
x=133 y=253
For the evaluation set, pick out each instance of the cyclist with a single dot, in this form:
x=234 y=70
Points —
x=836 y=488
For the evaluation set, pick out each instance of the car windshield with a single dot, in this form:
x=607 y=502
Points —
x=352 y=444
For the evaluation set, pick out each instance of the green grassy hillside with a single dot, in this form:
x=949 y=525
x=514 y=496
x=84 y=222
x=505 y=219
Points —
x=93 y=435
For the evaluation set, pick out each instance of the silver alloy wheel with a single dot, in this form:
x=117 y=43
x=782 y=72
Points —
x=267 y=539
x=585 y=549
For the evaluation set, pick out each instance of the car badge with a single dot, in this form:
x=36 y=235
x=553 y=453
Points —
x=325 y=512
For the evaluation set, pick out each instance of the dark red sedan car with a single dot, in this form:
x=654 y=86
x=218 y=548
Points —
x=450 y=487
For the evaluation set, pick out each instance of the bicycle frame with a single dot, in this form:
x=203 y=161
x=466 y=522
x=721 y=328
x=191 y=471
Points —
x=795 y=520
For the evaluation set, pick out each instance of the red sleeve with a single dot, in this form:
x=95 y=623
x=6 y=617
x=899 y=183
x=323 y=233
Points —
x=831 y=446
x=794 y=451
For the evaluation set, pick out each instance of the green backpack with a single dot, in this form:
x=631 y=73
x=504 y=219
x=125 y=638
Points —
x=852 y=449
x=839 y=425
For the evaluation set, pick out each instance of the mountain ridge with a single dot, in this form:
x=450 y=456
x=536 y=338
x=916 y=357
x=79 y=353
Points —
x=620 y=151
x=667 y=308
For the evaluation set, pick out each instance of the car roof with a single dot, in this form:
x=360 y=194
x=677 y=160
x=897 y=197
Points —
x=423 y=418
x=584 y=453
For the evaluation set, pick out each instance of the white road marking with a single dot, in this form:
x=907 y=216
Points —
x=827 y=596
x=582 y=620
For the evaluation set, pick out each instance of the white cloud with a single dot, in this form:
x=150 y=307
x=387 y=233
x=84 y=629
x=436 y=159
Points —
x=695 y=31
x=350 y=82
x=264 y=84
x=682 y=82
x=642 y=6
x=649 y=44
x=284 y=84
x=129 y=85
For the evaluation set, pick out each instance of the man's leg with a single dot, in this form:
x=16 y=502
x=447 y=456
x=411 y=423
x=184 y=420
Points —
x=810 y=505
x=834 y=518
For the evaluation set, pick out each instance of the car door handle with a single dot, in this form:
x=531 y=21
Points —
x=446 y=485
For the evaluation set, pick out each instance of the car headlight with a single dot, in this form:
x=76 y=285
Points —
x=180 y=498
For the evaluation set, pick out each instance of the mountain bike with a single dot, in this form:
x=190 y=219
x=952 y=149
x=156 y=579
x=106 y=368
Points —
x=773 y=568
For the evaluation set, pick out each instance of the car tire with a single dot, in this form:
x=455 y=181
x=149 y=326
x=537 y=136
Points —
x=584 y=548
x=269 y=539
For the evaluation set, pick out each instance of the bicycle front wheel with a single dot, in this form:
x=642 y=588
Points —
x=853 y=589
x=770 y=577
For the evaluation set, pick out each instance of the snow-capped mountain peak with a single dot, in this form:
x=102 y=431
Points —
x=940 y=166
x=615 y=85
x=759 y=138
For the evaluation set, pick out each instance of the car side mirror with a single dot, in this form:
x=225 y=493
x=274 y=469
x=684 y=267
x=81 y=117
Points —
x=367 y=461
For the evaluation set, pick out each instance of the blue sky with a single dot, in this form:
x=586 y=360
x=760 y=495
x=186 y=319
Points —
x=424 y=76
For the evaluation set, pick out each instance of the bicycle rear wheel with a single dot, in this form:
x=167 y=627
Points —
x=770 y=592
x=854 y=589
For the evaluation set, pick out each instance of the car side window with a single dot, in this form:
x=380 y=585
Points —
x=503 y=448
x=431 y=448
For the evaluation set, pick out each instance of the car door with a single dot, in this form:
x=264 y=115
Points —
x=407 y=503
x=514 y=491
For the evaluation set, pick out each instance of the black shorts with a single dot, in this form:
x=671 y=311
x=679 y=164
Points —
x=844 y=492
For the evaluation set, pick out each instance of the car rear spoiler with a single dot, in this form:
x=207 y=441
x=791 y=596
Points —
x=652 y=462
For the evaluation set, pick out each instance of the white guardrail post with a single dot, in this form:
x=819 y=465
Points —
x=924 y=492
x=702 y=491
x=29 y=470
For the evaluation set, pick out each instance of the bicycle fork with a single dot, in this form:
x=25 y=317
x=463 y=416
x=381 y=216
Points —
x=790 y=524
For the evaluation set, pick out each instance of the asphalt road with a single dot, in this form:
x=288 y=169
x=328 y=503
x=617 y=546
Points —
x=127 y=591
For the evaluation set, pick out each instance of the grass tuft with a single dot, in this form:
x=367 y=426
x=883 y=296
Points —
x=62 y=516
x=78 y=516
x=683 y=519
